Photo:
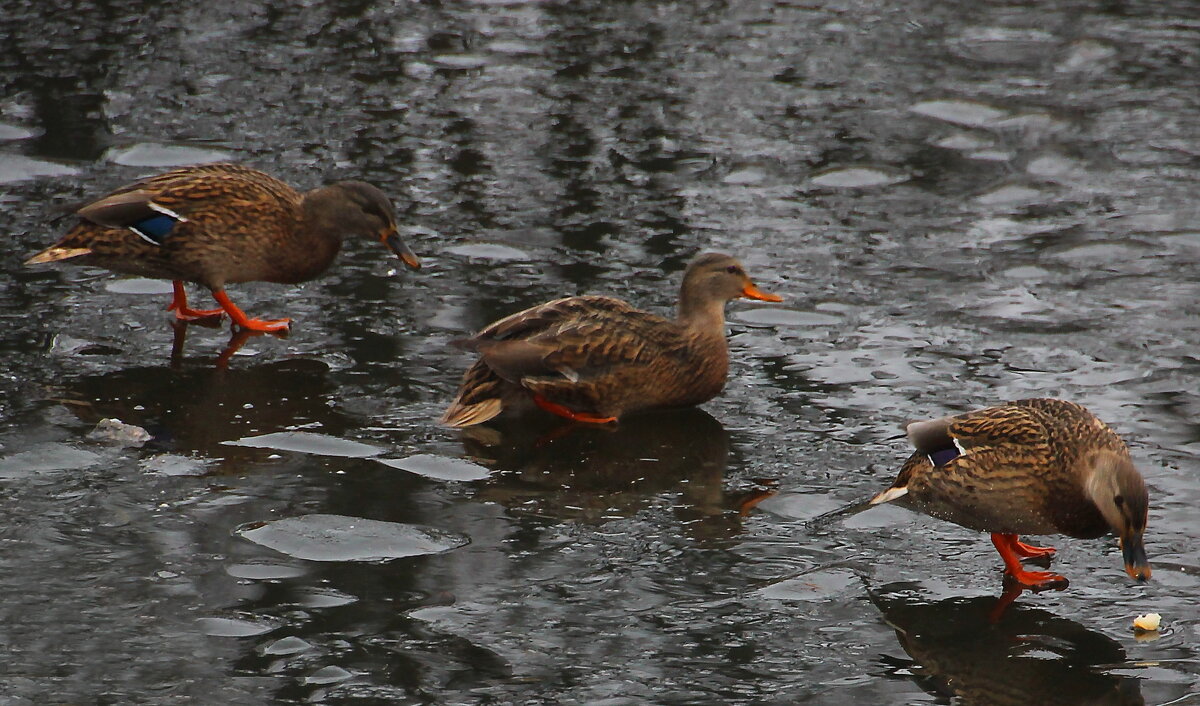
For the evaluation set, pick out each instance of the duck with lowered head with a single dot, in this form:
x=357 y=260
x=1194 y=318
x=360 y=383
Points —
x=219 y=224
x=1034 y=466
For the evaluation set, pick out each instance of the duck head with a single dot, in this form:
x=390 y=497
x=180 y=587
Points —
x=713 y=279
x=1119 y=493
x=357 y=208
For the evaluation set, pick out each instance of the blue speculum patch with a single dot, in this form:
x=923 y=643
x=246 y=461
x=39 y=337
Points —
x=155 y=228
x=943 y=456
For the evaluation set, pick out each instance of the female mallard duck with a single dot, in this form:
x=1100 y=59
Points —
x=1038 y=466
x=594 y=358
x=216 y=224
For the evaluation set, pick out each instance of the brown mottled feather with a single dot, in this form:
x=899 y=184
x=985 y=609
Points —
x=239 y=225
x=601 y=356
x=1018 y=473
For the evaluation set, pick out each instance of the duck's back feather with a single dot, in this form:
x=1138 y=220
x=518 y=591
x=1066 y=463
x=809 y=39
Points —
x=1016 y=473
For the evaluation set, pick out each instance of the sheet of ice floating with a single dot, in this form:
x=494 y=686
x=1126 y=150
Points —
x=821 y=585
x=960 y=112
x=17 y=167
x=308 y=442
x=439 y=467
x=489 y=251
x=139 y=285
x=149 y=154
x=236 y=627
x=857 y=177
x=321 y=537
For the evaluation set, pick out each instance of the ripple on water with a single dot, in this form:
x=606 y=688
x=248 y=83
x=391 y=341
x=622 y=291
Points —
x=16 y=167
x=858 y=177
x=322 y=537
x=308 y=442
x=1002 y=45
x=822 y=585
x=1103 y=252
x=149 y=154
x=960 y=112
x=784 y=317
x=438 y=467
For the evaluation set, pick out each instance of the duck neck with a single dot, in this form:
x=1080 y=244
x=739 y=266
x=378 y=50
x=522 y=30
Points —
x=701 y=314
x=318 y=235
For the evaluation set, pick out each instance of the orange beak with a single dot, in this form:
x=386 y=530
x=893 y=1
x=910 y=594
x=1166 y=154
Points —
x=752 y=292
x=392 y=240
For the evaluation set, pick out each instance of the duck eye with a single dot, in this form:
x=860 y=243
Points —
x=1118 y=501
x=732 y=269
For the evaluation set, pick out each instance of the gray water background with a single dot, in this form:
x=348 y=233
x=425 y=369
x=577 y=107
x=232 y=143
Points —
x=962 y=203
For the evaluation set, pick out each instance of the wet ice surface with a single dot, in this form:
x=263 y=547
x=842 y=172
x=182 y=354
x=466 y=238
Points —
x=336 y=538
x=1009 y=210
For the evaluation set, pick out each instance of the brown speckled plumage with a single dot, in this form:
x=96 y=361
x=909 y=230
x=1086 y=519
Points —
x=230 y=224
x=601 y=357
x=1035 y=466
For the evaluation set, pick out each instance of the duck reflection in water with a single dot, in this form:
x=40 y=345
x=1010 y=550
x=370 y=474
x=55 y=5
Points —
x=593 y=474
x=962 y=653
x=236 y=340
x=192 y=411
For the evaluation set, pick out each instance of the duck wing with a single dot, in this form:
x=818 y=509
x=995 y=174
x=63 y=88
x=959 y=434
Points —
x=577 y=339
x=226 y=194
x=1012 y=425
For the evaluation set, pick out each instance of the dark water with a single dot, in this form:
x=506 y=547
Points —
x=963 y=203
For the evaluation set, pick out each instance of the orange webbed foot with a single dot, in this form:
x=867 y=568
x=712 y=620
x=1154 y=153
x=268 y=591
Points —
x=1028 y=551
x=240 y=319
x=187 y=314
x=562 y=411
x=1006 y=545
x=264 y=325
x=1039 y=580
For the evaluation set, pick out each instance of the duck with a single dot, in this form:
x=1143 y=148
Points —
x=220 y=224
x=1034 y=466
x=594 y=358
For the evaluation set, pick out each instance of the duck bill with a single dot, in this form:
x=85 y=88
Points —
x=752 y=292
x=394 y=243
x=1136 y=564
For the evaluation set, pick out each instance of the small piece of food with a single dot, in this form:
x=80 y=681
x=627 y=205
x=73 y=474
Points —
x=1148 y=622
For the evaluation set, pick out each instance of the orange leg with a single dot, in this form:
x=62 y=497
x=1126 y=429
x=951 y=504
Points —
x=239 y=317
x=1012 y=565
x=180 y=306
x=1027 y=551
x=555 y=408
